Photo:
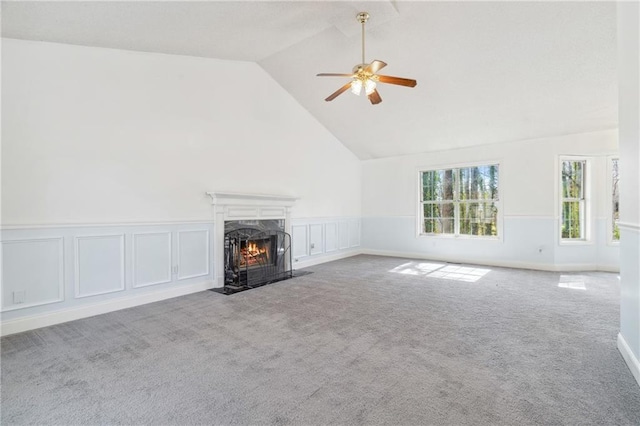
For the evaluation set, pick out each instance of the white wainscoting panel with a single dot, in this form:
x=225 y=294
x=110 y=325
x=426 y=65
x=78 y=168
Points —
x=354 y=233
x=151 y=258
x=331 y=237
x=193 y=254
x=57 y=273
x=299 y=241
x=316 y=243
x=343 y=234
x=32 y=272
x=99 y=264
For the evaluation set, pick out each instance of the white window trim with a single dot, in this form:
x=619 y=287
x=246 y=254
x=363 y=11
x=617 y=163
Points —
x=499 y=203
x=588 y=207
x=609 y=195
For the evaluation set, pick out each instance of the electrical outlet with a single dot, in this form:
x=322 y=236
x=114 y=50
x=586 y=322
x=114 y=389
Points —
x=19 y=296
x=313 y=245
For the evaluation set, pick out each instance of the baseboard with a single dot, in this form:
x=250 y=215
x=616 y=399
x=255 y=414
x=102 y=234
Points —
x=608 y=268
x=317 y=260
x=578 y=267
x=629 y=358
x=499 y=263
x=70 y=314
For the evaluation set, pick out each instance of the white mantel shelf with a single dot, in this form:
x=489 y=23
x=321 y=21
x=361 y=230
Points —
x=233 y=198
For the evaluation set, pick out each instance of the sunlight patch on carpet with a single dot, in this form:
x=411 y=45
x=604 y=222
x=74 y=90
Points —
x=416 y=268
x=460 y=273
x=574 y=282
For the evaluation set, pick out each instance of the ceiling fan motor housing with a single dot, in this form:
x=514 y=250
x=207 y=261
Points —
x=360 y=67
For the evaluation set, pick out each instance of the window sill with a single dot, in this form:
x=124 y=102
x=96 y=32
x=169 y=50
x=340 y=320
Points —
x=460 y=237
x=569 y=243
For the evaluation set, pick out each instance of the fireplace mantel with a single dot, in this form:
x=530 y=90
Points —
x=238 y=206
x=232 y=198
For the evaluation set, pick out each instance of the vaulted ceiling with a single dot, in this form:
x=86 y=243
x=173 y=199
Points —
x=487 y=72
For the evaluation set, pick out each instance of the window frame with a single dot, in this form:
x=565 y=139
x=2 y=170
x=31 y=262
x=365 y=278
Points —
x=609 y=194
x=456 y=202
x=587 y=208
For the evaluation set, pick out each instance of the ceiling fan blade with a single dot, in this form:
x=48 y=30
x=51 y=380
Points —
x=374 y=97
x=375 y=66
x=330 y=74
x=397 y=80
x=339 y=92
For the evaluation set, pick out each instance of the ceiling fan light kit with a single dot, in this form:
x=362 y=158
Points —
x=365 y=75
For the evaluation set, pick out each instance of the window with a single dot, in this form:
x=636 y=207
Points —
x=573 y=200
x=437 y=197
x=615 y=200
x=461 y=201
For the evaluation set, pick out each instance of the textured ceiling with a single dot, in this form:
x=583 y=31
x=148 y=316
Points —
x=487 y=72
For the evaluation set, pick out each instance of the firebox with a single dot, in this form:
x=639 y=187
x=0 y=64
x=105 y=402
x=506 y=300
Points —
x=256 y=253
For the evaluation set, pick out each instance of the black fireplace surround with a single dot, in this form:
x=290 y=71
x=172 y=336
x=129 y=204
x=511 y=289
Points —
x=256 y=252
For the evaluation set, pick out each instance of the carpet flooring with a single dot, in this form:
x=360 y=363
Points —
x=364 y=340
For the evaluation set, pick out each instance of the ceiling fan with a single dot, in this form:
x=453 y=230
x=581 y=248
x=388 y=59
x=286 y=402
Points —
x=366 y=75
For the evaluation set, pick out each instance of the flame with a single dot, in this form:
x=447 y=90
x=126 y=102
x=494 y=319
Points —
x=251 y=252
x=253 y=249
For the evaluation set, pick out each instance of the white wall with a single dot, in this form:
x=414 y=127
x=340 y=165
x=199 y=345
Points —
x=106 y=158
x=94 y=135
x=529 y=205
x=629 y=126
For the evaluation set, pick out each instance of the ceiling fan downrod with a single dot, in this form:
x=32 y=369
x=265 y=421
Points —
x=362 y=17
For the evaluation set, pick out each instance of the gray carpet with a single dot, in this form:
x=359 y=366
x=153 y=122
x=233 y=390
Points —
x=352 y=343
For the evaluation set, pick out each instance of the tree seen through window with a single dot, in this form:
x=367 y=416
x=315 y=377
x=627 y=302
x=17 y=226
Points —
x=461 y=201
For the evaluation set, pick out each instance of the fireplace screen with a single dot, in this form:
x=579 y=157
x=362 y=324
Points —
x=255 y=255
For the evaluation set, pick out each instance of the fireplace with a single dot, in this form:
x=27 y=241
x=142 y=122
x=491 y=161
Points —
x=256 y=252
x=252 y=242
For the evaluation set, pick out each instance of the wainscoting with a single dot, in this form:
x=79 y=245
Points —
x=629 y=337
x=527 y=242
x=52 y=274
x=316 y=241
